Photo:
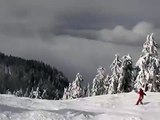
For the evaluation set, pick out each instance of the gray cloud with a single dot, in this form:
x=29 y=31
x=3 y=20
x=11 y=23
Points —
x=77 y=36
x=54 y=17
x=135 y=36
x=120 y=35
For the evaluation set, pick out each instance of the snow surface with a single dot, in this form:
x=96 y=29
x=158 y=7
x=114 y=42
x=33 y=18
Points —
x=106 y=107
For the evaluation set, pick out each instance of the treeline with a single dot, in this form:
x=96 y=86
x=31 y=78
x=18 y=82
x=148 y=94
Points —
x=30 y=78
x=124 y=76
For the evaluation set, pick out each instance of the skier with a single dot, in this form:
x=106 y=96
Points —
x=141 y=94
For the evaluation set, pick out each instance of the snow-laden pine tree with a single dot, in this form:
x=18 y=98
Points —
x=148 y=64
x=69 y=91
x=84 y=91
x=116 y=71
x=76 y=89
x=8 y=92
x=19 y=93
x=106 y=84
x=26 y=94
x=125 y=81
x=31 y=95
x=36 y=93
x=98 y=87
x=65 y=94
x=88 y=92
x=44 y=94
x=56 y=94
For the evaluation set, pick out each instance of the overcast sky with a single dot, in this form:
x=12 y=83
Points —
x=77 y=35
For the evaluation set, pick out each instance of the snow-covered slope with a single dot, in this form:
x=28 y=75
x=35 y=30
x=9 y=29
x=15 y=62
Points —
x=106 y=107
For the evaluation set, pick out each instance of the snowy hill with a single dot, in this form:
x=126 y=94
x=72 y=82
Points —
x=106 y=107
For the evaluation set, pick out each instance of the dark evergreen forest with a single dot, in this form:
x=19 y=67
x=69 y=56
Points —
x=30 y=78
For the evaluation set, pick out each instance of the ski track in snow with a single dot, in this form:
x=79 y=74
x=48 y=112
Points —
x=106 y=107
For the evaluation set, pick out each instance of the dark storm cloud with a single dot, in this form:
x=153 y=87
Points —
x=55 y=16
x=77 y=35
x=120 y=35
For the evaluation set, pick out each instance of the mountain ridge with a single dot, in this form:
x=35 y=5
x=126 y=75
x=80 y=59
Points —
x=26 y=77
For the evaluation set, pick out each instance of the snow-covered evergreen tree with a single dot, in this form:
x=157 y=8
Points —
x=26 y=94
x=69 y=91
x=98 y=82
x=44 y=94
x=84 y=91
x=116 y=71
x=106 y=84
x=76 y=90
x=65 y=94
x=19 y=93
x=8 y=92
x=125 y=79
x=36 y=93
x=56 y=94
x=148 y=76
x=31 y=95
x=14 y=92
x=88 y=93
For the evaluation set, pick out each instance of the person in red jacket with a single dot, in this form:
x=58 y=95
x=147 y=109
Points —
x=141 y=95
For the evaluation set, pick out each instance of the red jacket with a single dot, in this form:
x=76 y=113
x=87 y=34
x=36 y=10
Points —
x=141 y=93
